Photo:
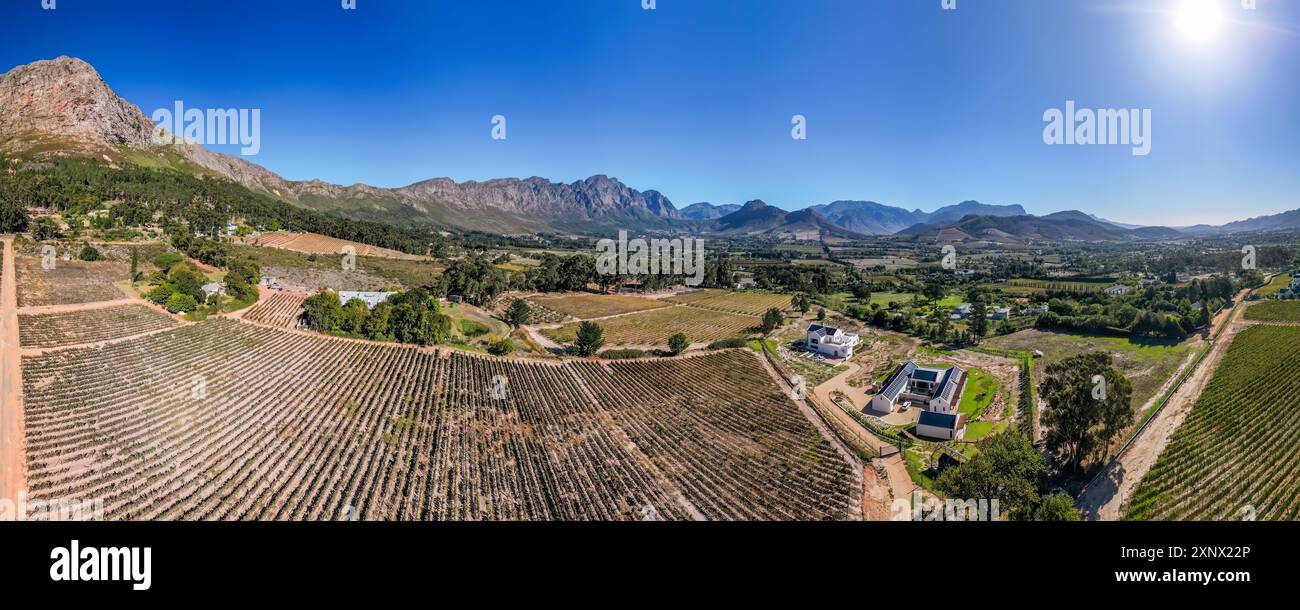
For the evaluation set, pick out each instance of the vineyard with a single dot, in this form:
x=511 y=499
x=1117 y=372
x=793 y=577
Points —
x=211 y=421
x=89 y=326
x=1235 y=456
x=654 y=327
x=746 y=303
x=69 y=282
x=1274 y=311
x=281 y=310
x=588 y=306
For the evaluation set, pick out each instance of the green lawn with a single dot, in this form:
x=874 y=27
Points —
x=1278 y=283
x=980 y=390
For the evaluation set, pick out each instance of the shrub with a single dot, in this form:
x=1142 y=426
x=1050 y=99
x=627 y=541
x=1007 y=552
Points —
x=90 y=254
x=729 y=344
x=473 y=329
x=678 y=344
x=504 y=347
x=179 y=302
x=622 y=354
x=167 y=260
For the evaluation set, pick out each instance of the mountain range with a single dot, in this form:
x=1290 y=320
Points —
x=62 y=107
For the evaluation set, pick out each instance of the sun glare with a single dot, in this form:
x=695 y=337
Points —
x=1199 y=21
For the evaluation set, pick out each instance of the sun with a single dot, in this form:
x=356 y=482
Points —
x=1199 y=21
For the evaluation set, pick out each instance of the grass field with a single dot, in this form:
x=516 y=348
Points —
x=326 y=271
x=1275 y=285
x=1146 y=363
x=980 y=390
x=586 y=306
x=1274 y=311
x=1235 y=455
x=746 y=303
x=655 y=326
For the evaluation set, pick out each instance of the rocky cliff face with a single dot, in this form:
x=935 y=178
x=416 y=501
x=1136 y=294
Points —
x=66 y=97
x=594 y=197
x=63 y=107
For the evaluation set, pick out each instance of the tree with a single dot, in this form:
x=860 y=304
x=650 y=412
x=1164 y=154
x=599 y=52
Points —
x=135 y=263
x=678 y=344
x=180 y=302
x=590 y=339
x=90 y=254
x=1089 y=402
x=504 y=347
x=934 y=291
x=44 y=229
x=322 y=311
x=802 y=303
x=821 y=314
x=862 y=292
x=519 y=313
x=979 y=325
x=772 y=319
x=1057 y=507
x=1007 y=468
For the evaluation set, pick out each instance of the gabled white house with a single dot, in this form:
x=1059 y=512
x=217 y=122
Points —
x=831 y=341
x=936 y=390
x=371 y=299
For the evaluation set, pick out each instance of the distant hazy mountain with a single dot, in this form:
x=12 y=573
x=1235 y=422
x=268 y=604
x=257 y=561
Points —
x=867 y=217
x=954 y=213
x=1274 y=222
x=707 y=211
x=758 y=218
x=1070 y=225
x=874 y=218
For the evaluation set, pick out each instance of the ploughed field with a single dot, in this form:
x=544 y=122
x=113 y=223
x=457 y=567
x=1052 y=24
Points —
x=1236 y=455
x=68 y=282
x=746 y=303
x=281 y=309
x=655 y=326
x=89 y=325
x=227 y=420
x=587 y=306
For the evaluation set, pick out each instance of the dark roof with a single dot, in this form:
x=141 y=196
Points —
x=948 y=385
x=937 y=420
x=896 y=382
x=925 y=374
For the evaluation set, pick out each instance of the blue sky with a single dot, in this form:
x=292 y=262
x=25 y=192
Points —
x=907 y=104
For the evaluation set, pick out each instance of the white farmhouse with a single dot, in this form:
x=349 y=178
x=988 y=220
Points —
x=369 y=298
x=938 y=391
x=831 y=342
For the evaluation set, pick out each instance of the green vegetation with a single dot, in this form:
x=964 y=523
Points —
x=1274 y=311
x=1231 y=456
x=408 y=317
x=980 y=390
x=589 y=340
x=1089 y=404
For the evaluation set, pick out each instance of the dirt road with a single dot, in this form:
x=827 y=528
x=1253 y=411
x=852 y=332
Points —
x=1106 y=497
x=13 y=477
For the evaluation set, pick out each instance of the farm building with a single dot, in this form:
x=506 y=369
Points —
x=1119 y=289
x=213 y=288
x=369 y=298
x=946 y=426
x=831 y=342
x=935 y=390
